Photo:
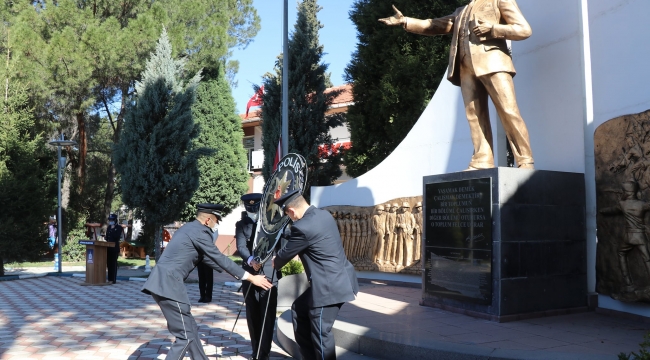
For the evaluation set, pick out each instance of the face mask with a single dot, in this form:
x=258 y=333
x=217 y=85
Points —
x=215 y=227
x=251 y=215
x=111 y=223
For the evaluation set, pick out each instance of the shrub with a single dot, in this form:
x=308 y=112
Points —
x=643 y=354
x=292 y=267
x=73 y=251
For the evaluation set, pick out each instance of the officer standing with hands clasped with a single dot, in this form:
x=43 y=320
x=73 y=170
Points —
x=114 y=232
x=191 y=244
x=315 y=238
x=257 y=297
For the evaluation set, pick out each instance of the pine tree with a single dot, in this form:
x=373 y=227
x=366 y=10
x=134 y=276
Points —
x=82 y=57
x=27 y=180
x=394 y=75
x=308 y=125
x=223 y=176
x=156 y=157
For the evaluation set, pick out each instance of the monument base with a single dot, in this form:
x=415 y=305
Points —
x=505 y=243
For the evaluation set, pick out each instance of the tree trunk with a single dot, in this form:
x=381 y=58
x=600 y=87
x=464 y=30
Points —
x=156 y=242
x=83 y=150
x=110 y=178
x=110 y=188
x=2 y=267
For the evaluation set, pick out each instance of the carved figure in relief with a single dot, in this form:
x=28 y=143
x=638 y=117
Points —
x=632 y=162
x=347 y=222
x=378 y=227
x=393 y=229
x=389 y=257
x=335 y=215
x=634 y=211
x=407 y=228
x=341 y=226
x=403 y=230
x=355 y=236
x=417 y=231
x=363 y=249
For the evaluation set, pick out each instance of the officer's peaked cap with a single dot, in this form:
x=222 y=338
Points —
x=287 y=198
x=252 y=201
x=214 y=209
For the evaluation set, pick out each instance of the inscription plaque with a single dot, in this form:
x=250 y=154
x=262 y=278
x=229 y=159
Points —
x=458 y=248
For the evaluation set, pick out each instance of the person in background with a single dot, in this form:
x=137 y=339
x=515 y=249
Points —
x=51 y=232
x=114 y=233
x=259 y=302
x=206 y=274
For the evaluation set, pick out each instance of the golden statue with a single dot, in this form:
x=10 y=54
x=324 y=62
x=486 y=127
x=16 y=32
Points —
x=481 y=64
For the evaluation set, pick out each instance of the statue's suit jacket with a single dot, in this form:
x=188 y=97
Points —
x=190 y=245
x=315 y=238
x=489 y=55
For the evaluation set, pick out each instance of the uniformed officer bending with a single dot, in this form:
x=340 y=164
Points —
x=191 y=244
x=257 y=297
x=315 y=238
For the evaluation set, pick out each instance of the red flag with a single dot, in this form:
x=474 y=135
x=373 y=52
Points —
x=256 y=100
x=278 y=155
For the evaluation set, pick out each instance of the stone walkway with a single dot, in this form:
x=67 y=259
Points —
x=57 y=318
x=393 y=315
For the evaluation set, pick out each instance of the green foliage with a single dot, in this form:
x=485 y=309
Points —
x=27 y=181
x=644 y=353
x=223 y=176
x=292 y=267
x=80 y=58
x=308 y=102
x=394 y=75
x=156 y=157
x=72 y=251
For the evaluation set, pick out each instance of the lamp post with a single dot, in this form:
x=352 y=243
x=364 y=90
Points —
x=60 y=165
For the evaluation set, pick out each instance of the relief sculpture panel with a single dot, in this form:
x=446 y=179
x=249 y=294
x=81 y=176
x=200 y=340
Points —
x=386 y=237
x=622 y=156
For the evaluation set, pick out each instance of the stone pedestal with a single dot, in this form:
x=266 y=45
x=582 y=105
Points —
x=505 y=243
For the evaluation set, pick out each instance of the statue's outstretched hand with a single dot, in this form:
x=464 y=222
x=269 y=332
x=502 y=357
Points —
x=397 y=19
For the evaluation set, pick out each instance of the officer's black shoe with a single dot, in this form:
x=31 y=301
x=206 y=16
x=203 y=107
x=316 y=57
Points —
x=201 y=300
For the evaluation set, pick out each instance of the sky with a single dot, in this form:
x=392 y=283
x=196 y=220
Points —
x=338 y=36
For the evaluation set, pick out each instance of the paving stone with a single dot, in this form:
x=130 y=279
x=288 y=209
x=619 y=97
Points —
x=45 y=319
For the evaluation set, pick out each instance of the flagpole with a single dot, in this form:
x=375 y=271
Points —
x=285 y=81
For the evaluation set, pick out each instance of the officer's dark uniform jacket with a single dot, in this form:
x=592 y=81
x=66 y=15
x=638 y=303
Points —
x=315 y=238
x=190 y=245
x=245 y=236
x=113 y=235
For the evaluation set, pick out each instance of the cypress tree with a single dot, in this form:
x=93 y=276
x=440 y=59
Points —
x=156 y=157
x=394 y=75
x=223 y=176
x=308 y=126
x=27 y=180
